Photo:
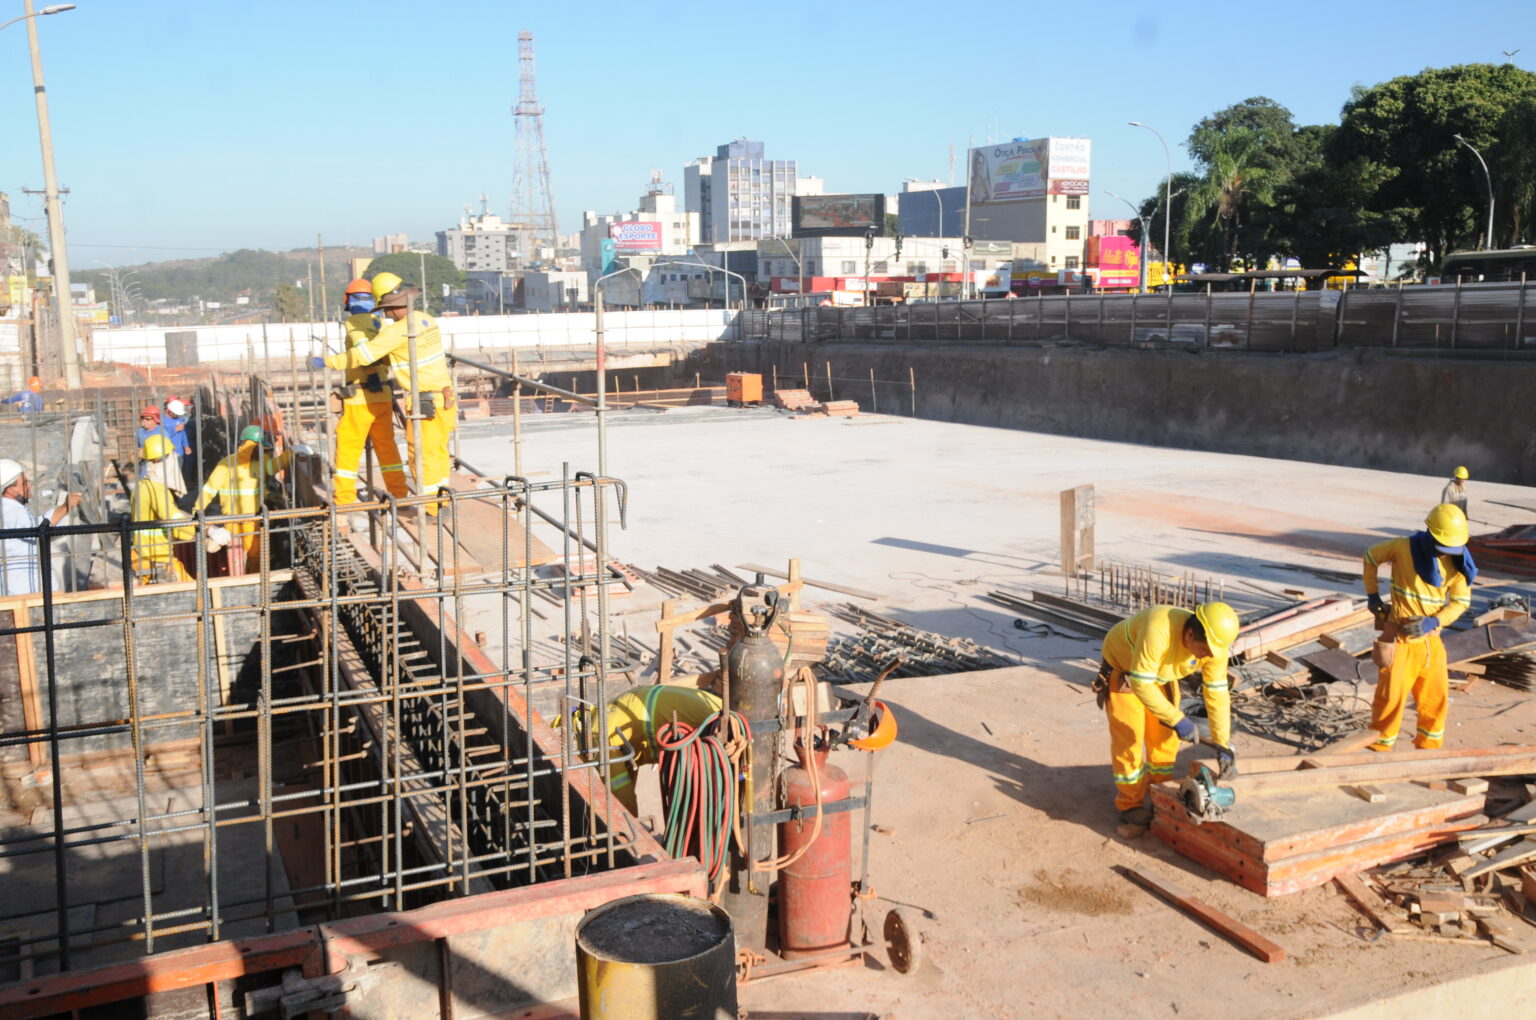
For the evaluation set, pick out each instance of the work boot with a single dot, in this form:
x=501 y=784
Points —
x=1134 y=822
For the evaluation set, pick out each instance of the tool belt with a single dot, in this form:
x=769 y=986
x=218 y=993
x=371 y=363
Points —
x=1108 y=680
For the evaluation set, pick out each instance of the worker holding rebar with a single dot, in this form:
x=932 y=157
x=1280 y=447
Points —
x=154 y=500
x=367 y=408
x=438 y=412
x=238 y=482
x=1138 y=687
x=1432 y=575
x=20 y=572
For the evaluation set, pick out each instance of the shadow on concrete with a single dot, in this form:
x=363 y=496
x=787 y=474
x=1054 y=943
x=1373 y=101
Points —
x=1350 y=544
x=960 y=552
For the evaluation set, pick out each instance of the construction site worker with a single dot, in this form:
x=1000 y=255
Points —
x=238 y=484
x=1138 y=686
x=1432 y=575
x=367 y=408
x=154 y=499
x=29 y=400
x=19 y=569
x=174 y=424
x=1455 y=491
x=150 y=424
x=439 y=411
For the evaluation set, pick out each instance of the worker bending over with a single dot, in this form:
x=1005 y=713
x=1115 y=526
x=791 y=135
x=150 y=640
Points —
x=238 y=482
x=367 y=409
x=1138 y=685
x=438 y=412
x=154 y=499
x=1432 y=575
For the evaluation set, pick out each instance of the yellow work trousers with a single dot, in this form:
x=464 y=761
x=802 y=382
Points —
x=436 y=467
x=151 y=569
x=1418 y=667
x=359 y=423
x=1141 y=749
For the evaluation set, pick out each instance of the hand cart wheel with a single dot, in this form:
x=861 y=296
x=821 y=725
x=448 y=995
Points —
x=903 y=942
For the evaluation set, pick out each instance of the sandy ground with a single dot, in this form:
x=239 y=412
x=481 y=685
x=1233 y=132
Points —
x=997 y=797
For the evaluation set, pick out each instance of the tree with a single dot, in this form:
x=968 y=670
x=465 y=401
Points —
x=1513 y=164
x=289 y=304
x=1234 y=178
x=1270 y=123
x=1401 y=133
x=407 y=266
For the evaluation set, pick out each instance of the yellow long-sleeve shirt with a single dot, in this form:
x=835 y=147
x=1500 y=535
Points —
x=235 y=483
x=154 y=502
x=1149 y=649
x=392 y=345
x=371 y=381
x=1412 y=596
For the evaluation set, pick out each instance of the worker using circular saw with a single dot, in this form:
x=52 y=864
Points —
x=1432 y=575
x=438 y=412
x=367 y=409
x=1138 y=686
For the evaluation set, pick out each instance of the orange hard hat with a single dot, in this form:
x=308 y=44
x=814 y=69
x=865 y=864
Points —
x=882 y=729
x=35 y=384
x=359 y=286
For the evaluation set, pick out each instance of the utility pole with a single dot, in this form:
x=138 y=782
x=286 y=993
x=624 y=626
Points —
x=63 y=301
x=320 y=243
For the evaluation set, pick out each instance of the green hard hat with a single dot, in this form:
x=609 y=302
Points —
x=254 y=434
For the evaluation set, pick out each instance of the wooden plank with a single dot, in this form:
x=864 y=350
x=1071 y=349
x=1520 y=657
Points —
x=1339 y=754
x=1291 y=639
x=665 y=651
x=114 y=593
x=1367 y=901
x=1517 y=854
x=1370 y=794
x=481 y=526
x=1276 y=659
x=841 y=589
x=1337 y=664
x=1470 y=785
x=1223 y=924
x=1389 y=771
x=26 y=674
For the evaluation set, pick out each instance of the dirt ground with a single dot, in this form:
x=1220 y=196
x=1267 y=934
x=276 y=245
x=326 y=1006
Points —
x=995 y=805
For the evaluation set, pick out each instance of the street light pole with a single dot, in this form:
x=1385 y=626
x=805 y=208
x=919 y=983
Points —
x=1146 y=228
x=1167 y=203
x=62 y=298
x=1488 y=241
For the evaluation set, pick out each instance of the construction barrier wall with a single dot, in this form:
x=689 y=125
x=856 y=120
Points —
x=1363 y=408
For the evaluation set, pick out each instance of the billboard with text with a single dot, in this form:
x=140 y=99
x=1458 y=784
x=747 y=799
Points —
x=1024 y=169
x=638 y=235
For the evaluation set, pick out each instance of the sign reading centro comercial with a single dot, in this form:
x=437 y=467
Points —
x=1015 y=171
x=639 y=235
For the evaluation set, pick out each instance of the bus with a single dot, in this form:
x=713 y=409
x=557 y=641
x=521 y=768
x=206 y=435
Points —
x=1506 y=265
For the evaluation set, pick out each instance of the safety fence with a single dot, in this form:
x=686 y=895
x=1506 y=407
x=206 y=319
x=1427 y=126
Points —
x=1473 y=317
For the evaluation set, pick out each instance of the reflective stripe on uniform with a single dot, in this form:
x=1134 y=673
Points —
x=1431 y=734
x=1129 y=778
x=391 y=467
x=1161 y=770
x=345 y=474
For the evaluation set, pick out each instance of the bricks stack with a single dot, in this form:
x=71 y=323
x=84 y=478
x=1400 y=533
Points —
x=794 y=400
x=841 y=408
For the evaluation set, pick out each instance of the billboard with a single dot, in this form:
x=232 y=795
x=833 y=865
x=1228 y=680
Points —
x=838 y=215
x=1116 y=258
x=638 y=235
x=1019 y=170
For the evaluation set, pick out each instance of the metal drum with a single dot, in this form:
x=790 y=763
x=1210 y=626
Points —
x=656 y=957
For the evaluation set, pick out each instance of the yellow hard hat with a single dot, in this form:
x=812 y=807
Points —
x=156 y=447
x=1220 y=623
x=385 y=283
x=1461 y=473
x=1447 y=525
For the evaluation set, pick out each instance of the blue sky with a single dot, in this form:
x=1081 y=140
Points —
x=184 y=128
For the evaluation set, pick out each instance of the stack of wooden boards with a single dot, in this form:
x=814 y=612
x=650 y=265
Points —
x=1474 y=891
x=1495 y=636
x=1300 y=821
x=801 y=400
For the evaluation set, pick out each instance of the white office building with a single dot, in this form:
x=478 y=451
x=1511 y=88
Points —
x=741 y=195
x=485 y=243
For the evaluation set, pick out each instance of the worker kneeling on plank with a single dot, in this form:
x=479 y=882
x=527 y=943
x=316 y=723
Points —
x=439 y=413
x=1138 y=685
x=1432 y=575
x=154 y=500
x=367 y=405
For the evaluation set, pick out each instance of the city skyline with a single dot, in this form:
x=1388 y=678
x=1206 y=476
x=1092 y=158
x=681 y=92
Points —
x=184 y=130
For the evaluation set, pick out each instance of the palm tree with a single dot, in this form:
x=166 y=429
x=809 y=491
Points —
x=1232 y=179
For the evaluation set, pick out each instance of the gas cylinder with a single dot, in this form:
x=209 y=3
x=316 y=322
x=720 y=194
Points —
x=815 y=892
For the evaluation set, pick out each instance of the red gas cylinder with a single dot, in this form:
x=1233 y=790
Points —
x=815 y=892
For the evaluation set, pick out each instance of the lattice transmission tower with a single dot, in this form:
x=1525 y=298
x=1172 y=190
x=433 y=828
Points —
x=533 y=197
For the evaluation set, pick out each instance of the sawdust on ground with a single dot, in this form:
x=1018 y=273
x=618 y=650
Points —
x=1066 y=894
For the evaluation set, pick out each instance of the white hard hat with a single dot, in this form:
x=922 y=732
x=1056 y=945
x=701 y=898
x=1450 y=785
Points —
x=9 y=472
x=176 y=407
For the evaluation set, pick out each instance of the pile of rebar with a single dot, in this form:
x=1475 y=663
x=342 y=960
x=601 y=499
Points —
x=881 y=640
x=711 y=585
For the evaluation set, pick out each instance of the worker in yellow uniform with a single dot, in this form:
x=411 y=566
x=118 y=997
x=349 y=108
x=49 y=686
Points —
x=237 y=482
x=154 y=499
x=1432 y=575
x=367 y=409
x=439 y=411
x=1138 y=685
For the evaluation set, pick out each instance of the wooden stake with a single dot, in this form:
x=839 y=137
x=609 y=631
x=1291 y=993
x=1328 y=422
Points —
x=1223 y=924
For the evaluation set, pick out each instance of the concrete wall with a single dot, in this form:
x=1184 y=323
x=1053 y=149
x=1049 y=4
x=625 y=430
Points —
x=1358 y=407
